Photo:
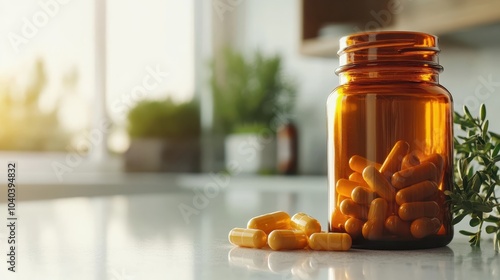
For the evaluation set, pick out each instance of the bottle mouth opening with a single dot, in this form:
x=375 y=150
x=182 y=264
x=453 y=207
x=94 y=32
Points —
x=399 y=47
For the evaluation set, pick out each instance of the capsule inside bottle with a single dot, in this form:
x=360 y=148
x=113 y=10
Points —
x=359 y=163
x=413 y=210
x=393 y=160
x=414 y=175
x=423 y=227
x=354 y=227
x=378 y=183
x=373 y=229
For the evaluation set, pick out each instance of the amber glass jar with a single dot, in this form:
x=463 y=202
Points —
x=390 y=143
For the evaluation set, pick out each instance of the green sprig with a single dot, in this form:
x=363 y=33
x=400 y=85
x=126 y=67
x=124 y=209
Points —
x=476 y=176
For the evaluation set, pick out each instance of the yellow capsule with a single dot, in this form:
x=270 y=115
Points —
x=352 y=209
x=437 y=160
x=358 y=178
x=409 y=160
x=344 y=187
x=286 y=239
x=423 y=227
x=271 y=221
x=378 y=210
x=379 y=183
x=413 y=175
x=353 y=226
x=330 y=241
x=396 y=226
x=418 y=192
x=373 y=230
x=307 y=224
x=413 y=210
x=337 y=220
x=245 y=237
x=392 y=162
x=362 y=195
x=359 y=163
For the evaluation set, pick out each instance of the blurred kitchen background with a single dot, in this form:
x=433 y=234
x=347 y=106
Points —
x=196 y=86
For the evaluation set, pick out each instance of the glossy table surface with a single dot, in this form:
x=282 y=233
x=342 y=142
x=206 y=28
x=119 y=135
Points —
x=140 y=232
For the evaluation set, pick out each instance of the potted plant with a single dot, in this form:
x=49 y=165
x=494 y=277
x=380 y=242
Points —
x=251 y=98
x=165 y=136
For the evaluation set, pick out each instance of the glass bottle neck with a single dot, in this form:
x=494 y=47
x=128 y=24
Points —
x=389 y=57
x=385 y=74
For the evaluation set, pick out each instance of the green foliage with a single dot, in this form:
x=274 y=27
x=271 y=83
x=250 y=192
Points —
x=476 y=176
x=249 y=91
x=25 y=127
x=164 y=119
x=249 y=128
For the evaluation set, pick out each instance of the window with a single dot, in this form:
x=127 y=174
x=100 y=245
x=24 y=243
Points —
x=49 y=74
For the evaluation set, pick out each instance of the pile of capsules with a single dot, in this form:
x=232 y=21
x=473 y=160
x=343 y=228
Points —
x=281 y=232
x=399 y=198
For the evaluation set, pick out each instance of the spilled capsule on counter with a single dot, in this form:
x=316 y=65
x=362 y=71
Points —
x=307 y=224
x=300 y=232
x=271 y=221
x=330 y=241
x=245 y=237
x=287 y=239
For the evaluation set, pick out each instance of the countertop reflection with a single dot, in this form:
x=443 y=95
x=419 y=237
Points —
x=181 y=233
x=457 y=261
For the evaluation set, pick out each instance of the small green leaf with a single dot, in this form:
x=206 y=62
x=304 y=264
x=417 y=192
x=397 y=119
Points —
x=468 y=233
x=496 y=158
x=496 y=150
x=485 y=129
x=491 y=229
x=467 y=113
x=474 y=222
x=487 y=146
x=478 y=206
x=492 y=219
x=476 y=182
x=482 y=112
x=459 y=218
x=490 y=190
x=495 y=135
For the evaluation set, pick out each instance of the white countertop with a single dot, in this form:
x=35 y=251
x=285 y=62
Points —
x=133 y=233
